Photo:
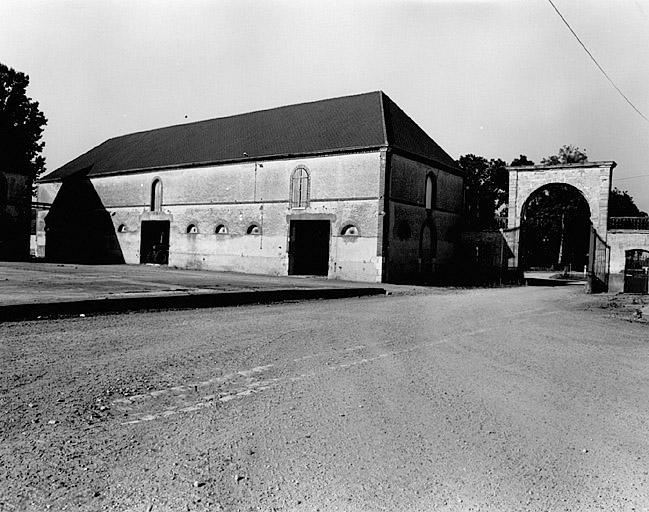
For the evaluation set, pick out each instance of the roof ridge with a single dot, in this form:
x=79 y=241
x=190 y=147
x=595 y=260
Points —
x=382 y=98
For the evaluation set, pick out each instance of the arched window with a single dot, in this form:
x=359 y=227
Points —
x=122 y=228
x=253 y=229
x=221 y=229
x=156 y=195
x=192 y=229
x=300 y=188
x=431 y=191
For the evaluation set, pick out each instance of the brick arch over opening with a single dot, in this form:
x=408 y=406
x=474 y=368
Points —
x=592 y=179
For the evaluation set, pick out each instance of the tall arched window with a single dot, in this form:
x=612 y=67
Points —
x=431 y=191
x=300 y=188
x=156 y=195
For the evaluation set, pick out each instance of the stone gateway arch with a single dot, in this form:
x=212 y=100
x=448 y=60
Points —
x=591 y=179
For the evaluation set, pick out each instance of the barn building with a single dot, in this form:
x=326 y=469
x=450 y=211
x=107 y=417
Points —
x=347 y=188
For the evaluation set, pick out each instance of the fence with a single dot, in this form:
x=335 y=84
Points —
x=634 y=223
x=598 y=263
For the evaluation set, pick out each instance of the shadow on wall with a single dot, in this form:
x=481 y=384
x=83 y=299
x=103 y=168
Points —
x=78 y=228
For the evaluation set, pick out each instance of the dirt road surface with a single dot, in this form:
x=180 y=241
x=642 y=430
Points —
x=504 y=399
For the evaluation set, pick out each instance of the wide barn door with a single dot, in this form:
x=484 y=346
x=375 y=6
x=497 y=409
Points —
x=309 y=247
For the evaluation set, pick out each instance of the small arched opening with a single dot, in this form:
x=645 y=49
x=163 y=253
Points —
x=350 y=230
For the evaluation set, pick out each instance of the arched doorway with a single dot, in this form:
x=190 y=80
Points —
x=555 y=229
x=427 y=252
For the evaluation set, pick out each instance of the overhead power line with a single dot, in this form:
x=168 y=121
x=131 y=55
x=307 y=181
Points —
x=632 y=177
x=597 y=63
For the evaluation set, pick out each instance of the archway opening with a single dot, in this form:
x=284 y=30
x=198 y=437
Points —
x=555 y=224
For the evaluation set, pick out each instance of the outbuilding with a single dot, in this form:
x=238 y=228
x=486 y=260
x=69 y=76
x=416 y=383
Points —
x=345 y=188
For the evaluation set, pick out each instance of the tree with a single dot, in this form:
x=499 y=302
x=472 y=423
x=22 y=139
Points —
x=521 y=161
x=21 y=126
x=487 y=188
x=567 y=155
x=621 y=204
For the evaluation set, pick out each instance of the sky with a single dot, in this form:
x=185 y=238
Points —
x=495 y=78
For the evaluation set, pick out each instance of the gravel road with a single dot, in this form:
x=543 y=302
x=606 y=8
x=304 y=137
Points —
x=501 y=399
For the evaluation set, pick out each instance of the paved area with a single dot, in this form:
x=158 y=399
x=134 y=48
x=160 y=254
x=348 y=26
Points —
x=33 y=289
x=36 y=289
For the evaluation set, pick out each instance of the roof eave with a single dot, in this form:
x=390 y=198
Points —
x=606 y=163
x=188 y=165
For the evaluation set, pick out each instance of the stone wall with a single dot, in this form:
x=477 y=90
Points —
x=409 y=221
x=624 y=240
x=487 y=257
x=344 y=189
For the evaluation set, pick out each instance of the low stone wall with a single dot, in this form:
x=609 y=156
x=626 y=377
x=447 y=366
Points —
x=488 y=257
x=620 y=241
x=624 y=240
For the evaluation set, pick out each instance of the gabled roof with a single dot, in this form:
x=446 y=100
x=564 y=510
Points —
x=349 y=123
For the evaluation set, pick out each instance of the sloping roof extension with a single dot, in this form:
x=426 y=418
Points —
x=349 y=123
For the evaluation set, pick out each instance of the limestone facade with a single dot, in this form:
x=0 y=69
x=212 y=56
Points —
x=238 y=217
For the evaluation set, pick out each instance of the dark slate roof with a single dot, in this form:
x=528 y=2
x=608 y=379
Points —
x=363 y=121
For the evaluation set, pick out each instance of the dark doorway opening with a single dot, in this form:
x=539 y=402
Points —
x=309 y=247
x=555 y=229
x=636 y=271
x=154 y=242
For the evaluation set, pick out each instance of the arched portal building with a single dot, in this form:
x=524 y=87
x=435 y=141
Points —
x=592 y=180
